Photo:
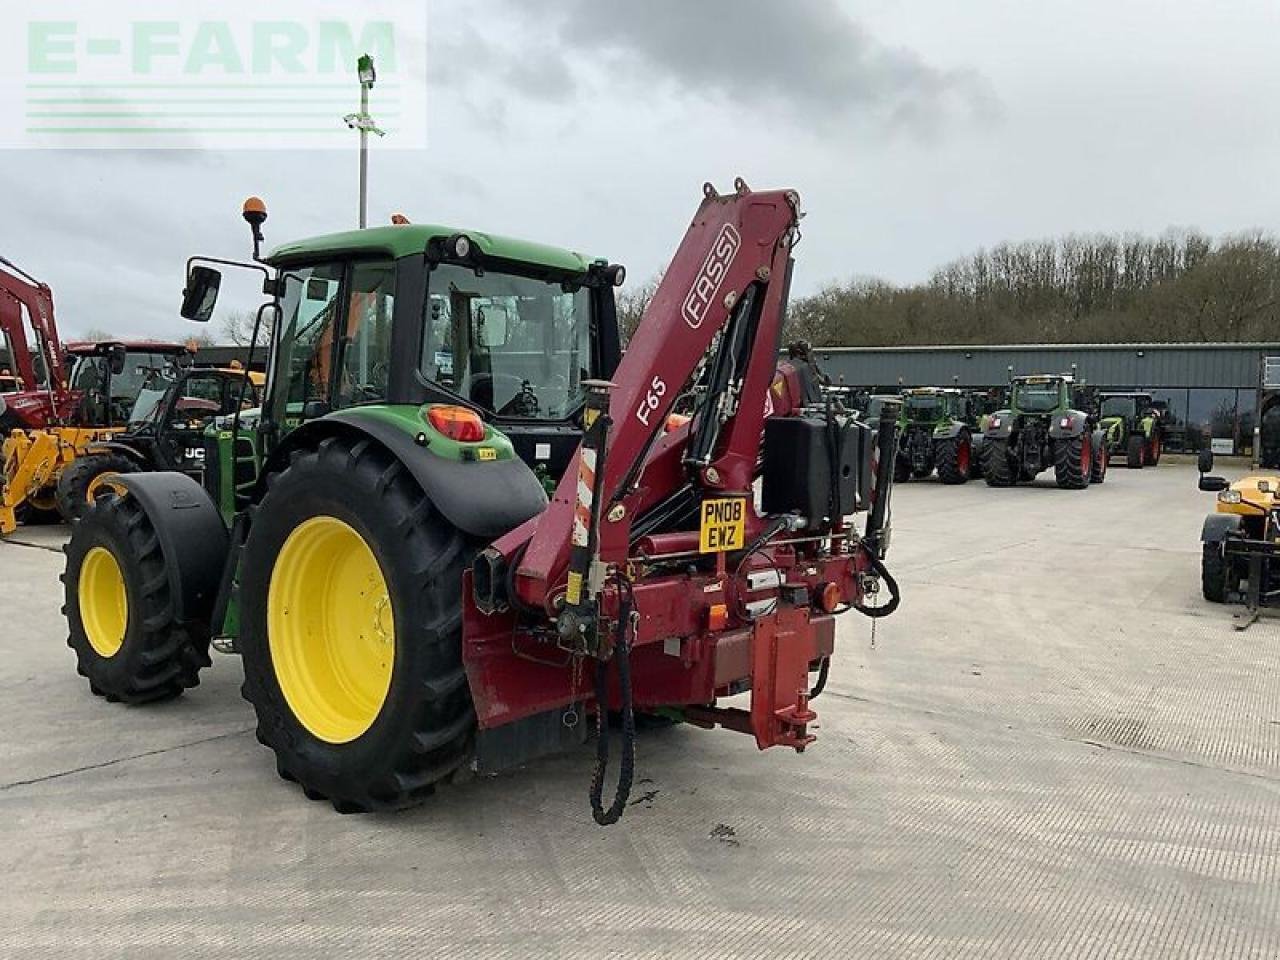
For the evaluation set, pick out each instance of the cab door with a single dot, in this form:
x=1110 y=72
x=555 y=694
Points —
x=201 y=397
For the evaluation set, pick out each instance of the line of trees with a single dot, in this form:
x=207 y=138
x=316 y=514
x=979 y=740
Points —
x=1181 y=286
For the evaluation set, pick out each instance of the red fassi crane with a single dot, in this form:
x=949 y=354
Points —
x=35 y=364
x=621 y=557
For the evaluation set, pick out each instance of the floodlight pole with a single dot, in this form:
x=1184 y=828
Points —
x=364 y=123
x=364 y=157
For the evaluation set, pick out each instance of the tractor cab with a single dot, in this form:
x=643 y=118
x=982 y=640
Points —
x=106 y=378
x=499 y=337
x=931 y=404
x=1040 y=396
x=9 y=383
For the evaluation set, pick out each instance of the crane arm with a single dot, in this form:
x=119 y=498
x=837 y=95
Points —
x=729 y=275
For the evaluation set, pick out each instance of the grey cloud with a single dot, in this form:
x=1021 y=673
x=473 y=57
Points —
x=808 y=59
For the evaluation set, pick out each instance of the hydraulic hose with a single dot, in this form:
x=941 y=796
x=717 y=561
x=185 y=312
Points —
x=626 y=769
x=895 y=595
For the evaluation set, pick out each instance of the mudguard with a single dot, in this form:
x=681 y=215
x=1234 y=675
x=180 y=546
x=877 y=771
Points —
x=1220 y=526
x=124 y=450
x=192 y=537
x=1076 y=424
x=1000 y=425
x=947 y=431
x=483 y=499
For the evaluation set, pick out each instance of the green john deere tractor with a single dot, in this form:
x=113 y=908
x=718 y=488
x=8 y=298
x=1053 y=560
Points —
x=307 y=545
x=1133 y=428
x=1041 y=430
x=938 y=430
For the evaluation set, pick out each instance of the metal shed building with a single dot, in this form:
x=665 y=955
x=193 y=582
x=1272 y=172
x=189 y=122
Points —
x=1215 y=391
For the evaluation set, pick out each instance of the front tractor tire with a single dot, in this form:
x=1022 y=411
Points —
x=1153 y=449
x=351 y=600
x=1135 y=453
x=1215 y=570
x=1073 y=461
x=120 y=610
x=82 y=480
x=1101 y=461
x=954 y=457
x=995 y=464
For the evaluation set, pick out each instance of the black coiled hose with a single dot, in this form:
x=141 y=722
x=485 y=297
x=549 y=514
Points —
x=895 y=596
x=626 y=768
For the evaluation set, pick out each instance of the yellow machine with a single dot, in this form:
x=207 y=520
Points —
x=1241 y=540
x=32 y=462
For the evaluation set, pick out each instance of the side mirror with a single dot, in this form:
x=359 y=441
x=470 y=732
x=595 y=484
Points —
x=116 y=358
x=1204 y=462
x=201 y=294
x=492 y=322
x=1213 y=484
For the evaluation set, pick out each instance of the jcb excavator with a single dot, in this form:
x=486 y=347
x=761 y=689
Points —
x=69 y=397
x=407 y=602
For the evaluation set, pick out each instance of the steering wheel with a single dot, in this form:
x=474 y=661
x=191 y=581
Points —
x=483 y=384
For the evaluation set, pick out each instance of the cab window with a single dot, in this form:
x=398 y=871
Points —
x=366 y=354
x=310 y=317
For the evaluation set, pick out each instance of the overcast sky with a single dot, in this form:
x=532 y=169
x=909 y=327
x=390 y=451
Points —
x=914 y=131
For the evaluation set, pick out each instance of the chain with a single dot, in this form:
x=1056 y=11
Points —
x=873 y=634
x=570 y=716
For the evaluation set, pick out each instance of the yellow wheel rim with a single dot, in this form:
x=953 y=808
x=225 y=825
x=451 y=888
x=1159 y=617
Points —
x=104 y=603
x=104 y=481
x=331 y=630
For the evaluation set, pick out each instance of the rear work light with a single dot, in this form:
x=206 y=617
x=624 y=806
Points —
x=1066 y=423
x=457 y=423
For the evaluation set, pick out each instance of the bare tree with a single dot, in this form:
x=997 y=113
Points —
x=633 y=303
x=237 y=326
x=98 y=335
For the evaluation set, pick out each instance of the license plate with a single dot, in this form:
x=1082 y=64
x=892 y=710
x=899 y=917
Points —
x=724 y=524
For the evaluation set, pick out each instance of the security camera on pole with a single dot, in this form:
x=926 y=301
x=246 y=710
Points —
x=364 y=123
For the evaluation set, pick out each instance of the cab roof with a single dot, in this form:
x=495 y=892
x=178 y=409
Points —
x=1045 y=378
x=82 y=348
x=405 y=240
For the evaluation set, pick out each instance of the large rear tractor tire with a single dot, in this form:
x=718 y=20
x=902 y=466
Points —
x=1153 y=449
x=995 y=463
x=120 y=612
x=351 y=600
x=954 y=457
x=1073 y=461
x=1214 y=573
x=82 y=480
x=1135 y=453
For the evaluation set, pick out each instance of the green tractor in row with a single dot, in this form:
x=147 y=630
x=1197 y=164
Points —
x=938 y=431
x=1044 y=427
x=1133 y=428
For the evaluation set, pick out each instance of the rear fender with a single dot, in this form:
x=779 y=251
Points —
x=192 y=537
x=949 y=431
x=1000 y=426
x=124 y=450
x=1070 y=423
x=483 y=499
x=1219 y=526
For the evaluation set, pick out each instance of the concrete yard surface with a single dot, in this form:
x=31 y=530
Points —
x=1054 y=749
